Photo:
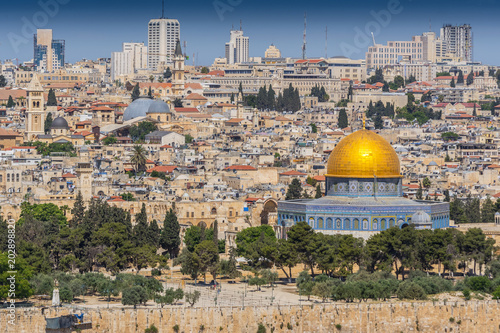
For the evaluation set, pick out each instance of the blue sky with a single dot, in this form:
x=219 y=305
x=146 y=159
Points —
x=94 y=29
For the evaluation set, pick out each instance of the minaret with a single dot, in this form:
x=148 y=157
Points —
x=35 y=114
x=178 y=71
x=84 y=172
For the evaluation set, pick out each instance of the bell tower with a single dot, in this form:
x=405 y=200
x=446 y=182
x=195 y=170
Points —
x=178 y=71
x=35 y=114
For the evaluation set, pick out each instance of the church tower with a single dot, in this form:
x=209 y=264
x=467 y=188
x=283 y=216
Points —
x=178 y=71
x=35 y=114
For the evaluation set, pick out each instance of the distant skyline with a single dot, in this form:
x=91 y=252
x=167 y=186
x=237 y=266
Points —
x=93 y=29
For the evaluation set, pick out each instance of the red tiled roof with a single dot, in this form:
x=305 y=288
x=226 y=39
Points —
x=195 y=96
x=163 y=168
x=240 y=167
x=319 y=178
x=68 y=175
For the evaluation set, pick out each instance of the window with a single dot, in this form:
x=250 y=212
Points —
x=329 y=223
x=311 y=222
x=192 y=214
x=365 y=224
x=214 y=211
x=321 y=223
x=187 y=214
x=382 y=224
x=347 y=224
x=356 y=224
x=338 y=224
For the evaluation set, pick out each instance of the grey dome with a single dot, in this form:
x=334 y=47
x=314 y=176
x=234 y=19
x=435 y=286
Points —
x=421 y=217
x=59 y=123
x=142 y=106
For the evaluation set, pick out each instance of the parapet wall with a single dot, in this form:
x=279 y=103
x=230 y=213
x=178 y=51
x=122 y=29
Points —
x=471 y=316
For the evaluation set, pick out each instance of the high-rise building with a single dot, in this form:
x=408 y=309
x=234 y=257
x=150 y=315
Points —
x=237 y=50
x=162 y=37
x=48 y=53
x=394 y=52
x=272 y=52
x=458 y=41
x=134 y=56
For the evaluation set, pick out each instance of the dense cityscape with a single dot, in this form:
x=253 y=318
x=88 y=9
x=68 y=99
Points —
x=256 y=193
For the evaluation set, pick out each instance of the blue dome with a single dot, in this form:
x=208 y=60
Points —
x=142 y=106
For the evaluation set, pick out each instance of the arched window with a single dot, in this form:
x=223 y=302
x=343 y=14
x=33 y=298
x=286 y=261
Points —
x=17 y=177
x=329 y=223
x=391 y=223
x=382 y=224
x=347 y=224
x=321 y=224
x=311 y=222
x=338 y=224
x=8 y=177
x=1 y=178
x=365 y=224
x=375 y=224
x=214 y=211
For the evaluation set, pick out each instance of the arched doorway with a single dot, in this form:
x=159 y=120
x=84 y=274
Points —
x=270 y=207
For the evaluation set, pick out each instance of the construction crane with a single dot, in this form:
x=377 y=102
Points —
x=373 y=38
x=305 y=40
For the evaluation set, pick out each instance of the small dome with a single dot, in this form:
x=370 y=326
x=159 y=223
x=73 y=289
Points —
x=363 y=154
x=142 y=106
x=59 y=123
x=421 y=217
x=432 y=163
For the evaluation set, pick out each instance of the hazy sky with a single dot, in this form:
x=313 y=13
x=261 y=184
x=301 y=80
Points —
x=94 y=29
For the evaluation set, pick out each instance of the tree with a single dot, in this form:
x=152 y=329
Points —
x=127 y=196
x=188 y=138
x=178 y=103
x=419 y=194
x=257 y=245
x=168 y=73
x=141 y=227
x=109 y=140
x=3 y=81
x=460 y=78
x=262 y=98
x=51 y=100
x=426 y=182
x=314 y=128
x=138 y=157
x=135 y=92
x=153 y=234
x=318 y=194
x=343 y=121
x=488 y=211
x=399 y=81
x=452 y=83
x=294 y=190
x=190 y=264
x=48 y=123
x=208 y=254
x=304 y=241
x=205 y=70
x=378 y=122
x=470 y=78
x=138 y=132
x=192 y=297
x=134 y=295
x=170 y=297
x=151 y=329
x=10 y=102
x=78 y=210
x=150 y=94
x=305 y=284
x=151 y=78
x=271 y=98
x=170 y=239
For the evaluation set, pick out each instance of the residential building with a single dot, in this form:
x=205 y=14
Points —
x=272 y=52
x=132 y=58
x=458 y=40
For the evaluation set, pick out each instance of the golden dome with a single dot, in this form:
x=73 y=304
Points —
x=363 y=154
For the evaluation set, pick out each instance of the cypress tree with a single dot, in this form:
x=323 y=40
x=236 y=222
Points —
x=460 y=78
x=135 y=92
x=452 y=83
x=141 y=227
x=271 y=98
x=48 y=123
x=343 y=121
x=170 y=239
x=154 y=233
x=318 y=192
x=10 y=102
x=216 y=233
x=294 y=190
x=78 y=210
x=51 y=100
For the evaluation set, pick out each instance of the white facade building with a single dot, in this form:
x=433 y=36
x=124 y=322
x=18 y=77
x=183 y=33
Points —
x=237 y=50
x=132 y=58
x=162 y=37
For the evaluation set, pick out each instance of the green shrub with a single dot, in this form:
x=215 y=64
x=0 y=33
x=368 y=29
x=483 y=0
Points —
x=478 y=283
x=176 y=328
x=452 y=320
x=338 y=327
x=496 y=293
x=151 y=329
x=466 y=294
x=261 y=328
x=156 y=272
x=411 y=290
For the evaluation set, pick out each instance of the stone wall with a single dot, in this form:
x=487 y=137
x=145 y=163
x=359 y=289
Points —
x=471 y=316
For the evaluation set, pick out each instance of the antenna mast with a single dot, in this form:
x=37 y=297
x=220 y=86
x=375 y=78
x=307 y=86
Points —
x=241 y=26
x=162 y=9
x=326 y=43
x=305 y=40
